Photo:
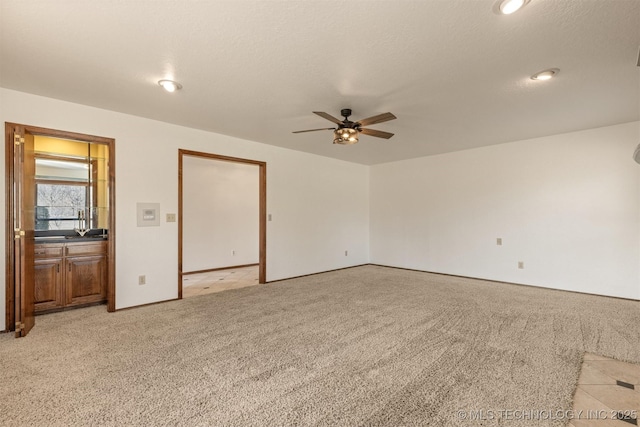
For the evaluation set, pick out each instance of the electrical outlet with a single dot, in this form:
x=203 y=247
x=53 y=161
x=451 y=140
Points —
x=171 y=217
x=499 y=241
x=269 y=217
x=142 y=280
x=520 y=264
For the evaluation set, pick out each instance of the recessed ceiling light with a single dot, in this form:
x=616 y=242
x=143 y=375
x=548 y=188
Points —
x=546 y=74
x=170 y=85
x=507 y=7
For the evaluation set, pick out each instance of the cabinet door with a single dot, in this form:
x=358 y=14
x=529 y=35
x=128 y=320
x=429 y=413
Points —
x=48 y=284
x=86 y=279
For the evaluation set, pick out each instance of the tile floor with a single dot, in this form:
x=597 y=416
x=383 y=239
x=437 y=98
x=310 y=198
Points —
x=608 y=393
x=219 y=280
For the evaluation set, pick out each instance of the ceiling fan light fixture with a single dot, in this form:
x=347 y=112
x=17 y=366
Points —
x=345 y=136
x=507 y=7
x=170 y=85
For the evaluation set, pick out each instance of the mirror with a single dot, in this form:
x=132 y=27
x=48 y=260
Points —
x=71 y=185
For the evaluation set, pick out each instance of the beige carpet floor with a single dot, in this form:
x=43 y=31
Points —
x=362 y=346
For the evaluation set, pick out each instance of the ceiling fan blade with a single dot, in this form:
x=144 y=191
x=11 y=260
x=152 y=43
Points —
x=377 y=133
x=328 y=117
x=312 y=130
x=384 y=117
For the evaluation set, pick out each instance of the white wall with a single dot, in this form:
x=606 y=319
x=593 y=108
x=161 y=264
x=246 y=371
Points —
x=568 y=206
x=320 y=206
x=221 y=212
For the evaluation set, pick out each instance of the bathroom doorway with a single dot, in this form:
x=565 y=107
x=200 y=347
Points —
x=60 y=228
x=222 y=223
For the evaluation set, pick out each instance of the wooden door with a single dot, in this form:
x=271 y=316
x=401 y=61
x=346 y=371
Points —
x=24 y=224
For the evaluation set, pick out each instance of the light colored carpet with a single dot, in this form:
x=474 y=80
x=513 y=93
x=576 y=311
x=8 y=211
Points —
x=362 y=346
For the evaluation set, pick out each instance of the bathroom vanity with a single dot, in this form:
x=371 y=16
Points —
x=71 y=221
x=70 y=273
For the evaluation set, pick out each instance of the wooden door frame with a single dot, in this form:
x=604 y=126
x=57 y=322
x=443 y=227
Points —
x=9 y=209
x=262 y=232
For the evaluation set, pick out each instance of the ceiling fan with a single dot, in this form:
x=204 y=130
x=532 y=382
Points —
x=348 y=132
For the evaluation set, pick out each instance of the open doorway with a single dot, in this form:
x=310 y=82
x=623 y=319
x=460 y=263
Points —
x=60 y=245
x=221 y=221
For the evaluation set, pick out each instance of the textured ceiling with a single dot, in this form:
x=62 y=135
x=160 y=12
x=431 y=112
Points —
x=454 y=73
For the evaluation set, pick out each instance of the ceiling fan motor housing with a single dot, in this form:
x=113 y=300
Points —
x=346 y=123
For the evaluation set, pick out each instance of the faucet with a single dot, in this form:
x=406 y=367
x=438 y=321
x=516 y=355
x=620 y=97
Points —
x=82 y=224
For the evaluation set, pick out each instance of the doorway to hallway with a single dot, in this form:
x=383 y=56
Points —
x=221 y=222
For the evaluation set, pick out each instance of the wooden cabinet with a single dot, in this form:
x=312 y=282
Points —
x=86 y=279
x=48 y=284
x=70 y=274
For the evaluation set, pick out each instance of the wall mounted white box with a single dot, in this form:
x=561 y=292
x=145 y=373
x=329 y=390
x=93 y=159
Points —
x=148 y=214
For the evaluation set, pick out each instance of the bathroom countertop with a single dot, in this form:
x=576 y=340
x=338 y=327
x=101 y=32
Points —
x=63 y=239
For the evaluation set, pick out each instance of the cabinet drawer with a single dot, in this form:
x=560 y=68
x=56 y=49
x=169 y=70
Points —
x=47 y=251
x=80 y=249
